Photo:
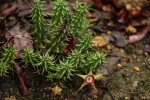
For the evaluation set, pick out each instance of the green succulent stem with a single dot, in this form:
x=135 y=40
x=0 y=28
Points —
x=6 y=60
x=38 y=25
x=60 y=27
x=78 y=24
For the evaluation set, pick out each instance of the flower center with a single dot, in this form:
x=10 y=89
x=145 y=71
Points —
x=89 y=79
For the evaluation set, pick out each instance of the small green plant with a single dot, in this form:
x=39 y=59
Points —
x=52 y=39
x=64 y=25
x=39 y=26
x=6 y=60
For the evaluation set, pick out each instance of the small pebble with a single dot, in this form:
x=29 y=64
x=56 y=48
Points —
x=143 y=98
x=146 y=54
x=119 y=66
x=135 y=84
x=122 y=51
x=126 y=98
x=138 y=60
x=108 y=47
x=134 y=56
x=47 y=95
x=136 y=69
x=44 y=95
x=128 y=6
x=131 y=29
x=109 y=32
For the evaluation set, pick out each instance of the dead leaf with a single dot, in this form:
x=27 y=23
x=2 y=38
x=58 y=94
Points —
x=20 y=39
x=139 y=36
x=9 y=10
x=21 y=78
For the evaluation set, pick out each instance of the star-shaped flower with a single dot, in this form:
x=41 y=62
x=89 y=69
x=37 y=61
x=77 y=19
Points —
x=90 y=78
x=56 y=90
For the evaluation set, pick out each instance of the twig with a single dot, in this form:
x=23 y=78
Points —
x=21 y=77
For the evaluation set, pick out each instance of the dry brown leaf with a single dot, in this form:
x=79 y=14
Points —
x=19 y=38
x=139 y=36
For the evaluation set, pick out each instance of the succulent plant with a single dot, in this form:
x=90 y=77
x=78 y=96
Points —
x=65 y=70
x=45 y=63
x=39 y=25
x=94 y=60
x=79 y=23
x=29 y=57
x=65 y=25
x=51 y=40
x=60 y=27
x=6 y=60
x=42 y=63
